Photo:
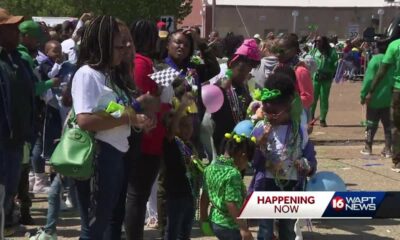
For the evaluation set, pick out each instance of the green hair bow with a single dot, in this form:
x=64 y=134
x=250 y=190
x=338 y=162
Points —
x=266 y=94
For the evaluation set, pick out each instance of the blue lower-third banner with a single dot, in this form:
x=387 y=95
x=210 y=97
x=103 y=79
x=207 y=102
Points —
x=317 y=205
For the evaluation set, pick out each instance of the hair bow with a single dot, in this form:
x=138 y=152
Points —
x=266 y=94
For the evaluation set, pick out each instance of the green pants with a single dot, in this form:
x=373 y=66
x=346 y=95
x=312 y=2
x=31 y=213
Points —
x=322 y=90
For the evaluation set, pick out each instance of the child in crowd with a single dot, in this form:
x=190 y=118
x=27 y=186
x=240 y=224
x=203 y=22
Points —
x=225 y=190
x=181 y=185
x=54 y=66
x=284 y=155
x=56 y=113
x=378 y=109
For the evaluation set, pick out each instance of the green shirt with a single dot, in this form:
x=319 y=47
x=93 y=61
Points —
x=382 y=96
x=40 y=86
x=392 y=57
x=326 y=64
x=223 y=183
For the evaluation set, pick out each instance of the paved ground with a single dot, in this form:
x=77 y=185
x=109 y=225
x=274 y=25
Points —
x=338 y=149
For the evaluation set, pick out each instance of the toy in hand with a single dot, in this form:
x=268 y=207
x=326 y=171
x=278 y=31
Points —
x=206 y=229
x=115 y=109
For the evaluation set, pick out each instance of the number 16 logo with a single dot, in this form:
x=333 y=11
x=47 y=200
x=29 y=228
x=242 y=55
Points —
x=338 y=204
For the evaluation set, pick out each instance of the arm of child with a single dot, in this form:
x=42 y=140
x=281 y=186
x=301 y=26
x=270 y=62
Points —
x=204 y=203
x=173 y=126
x=54 y=70
x=309 y=153
x=234 y=211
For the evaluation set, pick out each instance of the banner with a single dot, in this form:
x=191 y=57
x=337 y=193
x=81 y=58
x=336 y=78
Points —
x=319 y=205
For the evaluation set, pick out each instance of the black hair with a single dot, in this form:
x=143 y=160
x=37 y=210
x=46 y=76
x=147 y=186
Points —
x=80 y=31
x=241 y=58
x=282 y=82
x=189 y=37
x=180 y=87
x=66 y=29
x=325 y=46
x=292 y=41
x=144 y=34
x=231 y=43
x=382 y=46
x=232 y=147
x=96 y=48
x=285 y=69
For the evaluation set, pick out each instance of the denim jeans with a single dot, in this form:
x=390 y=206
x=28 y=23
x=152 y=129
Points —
x=223 y=233
x=38 y=162
x=99 y=195
x=10 y=171
x=54 y=198
x=286 y=226
x=54 y=204
x=180 y=216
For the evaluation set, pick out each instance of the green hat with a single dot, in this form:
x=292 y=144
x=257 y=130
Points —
x=31 y=28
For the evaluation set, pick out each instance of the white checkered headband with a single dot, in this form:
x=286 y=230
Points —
x=164 y=77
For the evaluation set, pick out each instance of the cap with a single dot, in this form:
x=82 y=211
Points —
x=257 y=36
x=31 y=28
x=161 y=25
x=249 y=48
x=7 y=18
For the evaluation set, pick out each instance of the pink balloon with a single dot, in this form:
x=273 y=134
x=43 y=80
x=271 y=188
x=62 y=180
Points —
x=212 y=97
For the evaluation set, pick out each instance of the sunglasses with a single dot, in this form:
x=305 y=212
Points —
x=275 y=116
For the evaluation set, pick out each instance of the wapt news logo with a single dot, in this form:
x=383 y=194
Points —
x=354 y=205
x=317 y=205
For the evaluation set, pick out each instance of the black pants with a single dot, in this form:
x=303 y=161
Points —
x=396 y=122
x=143 y=172
x=23 y=191
x=374 y=115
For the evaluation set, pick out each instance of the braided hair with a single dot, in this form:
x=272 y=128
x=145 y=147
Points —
x=144 y=34
x=96 y=48
x=325 y=46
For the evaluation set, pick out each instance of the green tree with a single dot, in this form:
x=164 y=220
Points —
x=127 y=10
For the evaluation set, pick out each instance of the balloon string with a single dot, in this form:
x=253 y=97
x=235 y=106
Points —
x=241 y=19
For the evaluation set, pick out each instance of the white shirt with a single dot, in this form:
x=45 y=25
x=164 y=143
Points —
x=69 y=47
x=90 y=94
x=276 y=148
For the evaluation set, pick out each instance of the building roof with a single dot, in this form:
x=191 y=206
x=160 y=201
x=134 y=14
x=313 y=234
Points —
x=302 y=3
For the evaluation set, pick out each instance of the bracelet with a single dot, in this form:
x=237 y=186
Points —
x=136 y=105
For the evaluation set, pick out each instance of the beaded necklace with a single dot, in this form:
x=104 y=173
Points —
x=237 y=104
x=186 y=154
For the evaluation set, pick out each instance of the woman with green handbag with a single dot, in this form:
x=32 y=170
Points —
x=95 y=85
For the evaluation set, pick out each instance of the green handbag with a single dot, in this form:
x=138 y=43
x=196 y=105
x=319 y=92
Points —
x=73 y=156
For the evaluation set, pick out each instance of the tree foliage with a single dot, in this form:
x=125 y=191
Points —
x=126 y=10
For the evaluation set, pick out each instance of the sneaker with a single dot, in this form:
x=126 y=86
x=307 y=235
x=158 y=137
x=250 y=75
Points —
x=366 y=151
x=386 y=153
x=9 y=231
x=323 y=124
x=31 y=181
x=396 y=167
x=63 y=205
x=68 y=203
x=42 y=235
x=26 y=219
x=41 y=184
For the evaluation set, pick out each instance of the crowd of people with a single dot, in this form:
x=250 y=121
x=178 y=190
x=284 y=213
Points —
x=150 y=154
